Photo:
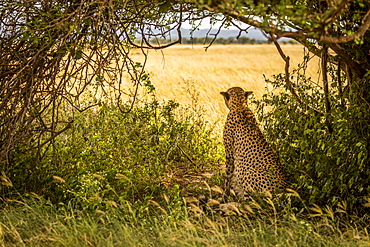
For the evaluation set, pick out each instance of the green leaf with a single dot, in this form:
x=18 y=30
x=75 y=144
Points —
x=77 y=54
x=164 y=7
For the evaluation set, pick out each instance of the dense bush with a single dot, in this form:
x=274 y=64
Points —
x=327 y=155
x=110 y=156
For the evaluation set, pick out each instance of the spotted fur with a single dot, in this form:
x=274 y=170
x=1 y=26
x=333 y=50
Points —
x=251 y=165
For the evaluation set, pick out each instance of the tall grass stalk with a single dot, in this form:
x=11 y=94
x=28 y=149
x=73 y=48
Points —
x=36 y=222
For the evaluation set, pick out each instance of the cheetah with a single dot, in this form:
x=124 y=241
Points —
x=251 y=165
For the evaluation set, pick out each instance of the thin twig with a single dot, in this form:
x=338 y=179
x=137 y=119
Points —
x=55 y=134
x=187 y=157
x=215 y=35
x=287 y=80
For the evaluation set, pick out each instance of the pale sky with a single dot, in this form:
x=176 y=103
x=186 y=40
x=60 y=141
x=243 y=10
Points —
x=206 y=25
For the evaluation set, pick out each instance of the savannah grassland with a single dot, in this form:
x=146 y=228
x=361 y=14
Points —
x=128 y=191
x=181 y=68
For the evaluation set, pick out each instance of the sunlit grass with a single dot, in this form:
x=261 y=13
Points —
x=217 y=69
x=37 y=223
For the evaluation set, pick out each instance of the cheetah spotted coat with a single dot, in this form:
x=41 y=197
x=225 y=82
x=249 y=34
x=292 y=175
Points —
x=251 y=165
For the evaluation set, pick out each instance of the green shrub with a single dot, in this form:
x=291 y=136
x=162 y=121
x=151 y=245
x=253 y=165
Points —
x=109 y=156
x=327 y=155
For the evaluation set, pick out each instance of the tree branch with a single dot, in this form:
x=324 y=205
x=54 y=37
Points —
x=55 y=134
x=287 y=80
x=324 y=68
x=344 y=39
x=355 y=67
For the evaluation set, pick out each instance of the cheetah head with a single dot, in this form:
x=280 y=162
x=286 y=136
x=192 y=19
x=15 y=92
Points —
x=235 y=97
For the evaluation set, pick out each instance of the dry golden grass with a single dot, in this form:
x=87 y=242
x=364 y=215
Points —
x=222 y=66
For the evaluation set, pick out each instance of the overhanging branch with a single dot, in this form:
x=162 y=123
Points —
x=287 y=80
x=344 y=39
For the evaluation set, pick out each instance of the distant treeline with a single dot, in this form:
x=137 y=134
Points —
x=223 y=41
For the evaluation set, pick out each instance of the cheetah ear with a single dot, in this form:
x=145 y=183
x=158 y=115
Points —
x=246 y=94
x=226 y=95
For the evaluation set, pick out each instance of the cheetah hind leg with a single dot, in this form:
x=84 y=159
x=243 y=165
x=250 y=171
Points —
x=229 y=191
